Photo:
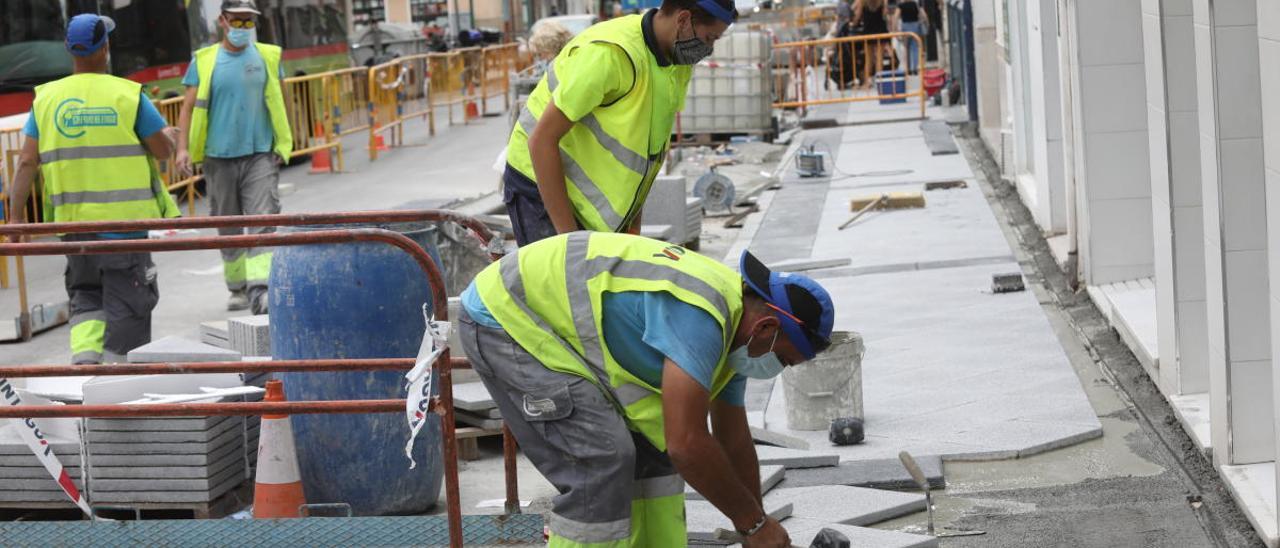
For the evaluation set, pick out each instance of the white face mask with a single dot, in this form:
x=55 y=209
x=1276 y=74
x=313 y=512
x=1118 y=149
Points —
x=764 y=366
x=240 y=37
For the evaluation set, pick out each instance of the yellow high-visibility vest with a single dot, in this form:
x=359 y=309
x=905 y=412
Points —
x=206 y=59
x=93 y=164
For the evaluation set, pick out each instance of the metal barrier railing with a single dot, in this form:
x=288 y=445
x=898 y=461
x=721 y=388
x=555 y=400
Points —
x=311 y=104
x=352 y=89
x=386 y=82
x=846 y=70
x=442 y=368
x=10 y=150
x=171 y=109
x=499 y=65
x=448 y=85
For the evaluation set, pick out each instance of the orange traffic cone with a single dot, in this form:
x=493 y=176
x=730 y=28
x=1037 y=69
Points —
x=320 y=161
x=473 y=111
x=379 y=143
x=277 y=491
x=320 y=158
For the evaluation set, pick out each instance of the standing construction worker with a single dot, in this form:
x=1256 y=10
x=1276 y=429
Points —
x=605 y=354
x=89 y=134
x=234 y=121
x=595 y=131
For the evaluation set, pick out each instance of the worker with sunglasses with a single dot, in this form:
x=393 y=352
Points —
x=234 y=122
x=607 y=352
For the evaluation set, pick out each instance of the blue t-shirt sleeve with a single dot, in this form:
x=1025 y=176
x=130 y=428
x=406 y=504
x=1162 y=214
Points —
x=192 y=78
x=149 y=119
x=685 y=334
x=735 y=393
x=30 y=129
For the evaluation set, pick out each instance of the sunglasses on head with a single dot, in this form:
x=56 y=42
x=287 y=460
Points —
x=818 y=342
x=241 y=23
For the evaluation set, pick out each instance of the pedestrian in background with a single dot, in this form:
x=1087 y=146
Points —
x=90 y=134
x=234 y=121
x=912 y=18
x=871 y=17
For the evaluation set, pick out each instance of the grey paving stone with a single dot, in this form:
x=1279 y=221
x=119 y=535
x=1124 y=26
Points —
x=803 y=531
x=876 y=474
x=472 y=396
x=231 y=435
x=140 y=497
x=795 y=458
x=477 y=421
x=779 y=439
x=178 y=349
x=215 y=333
x=770 y=477
x=250 y=335
x=702 y=519
x=31 y=472
x=215 y=477
x=846 y=505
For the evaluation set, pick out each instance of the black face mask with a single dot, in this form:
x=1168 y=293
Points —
x=689 y=51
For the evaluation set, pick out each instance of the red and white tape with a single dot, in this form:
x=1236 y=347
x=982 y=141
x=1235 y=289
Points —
x=418 y=402
x=40 y=447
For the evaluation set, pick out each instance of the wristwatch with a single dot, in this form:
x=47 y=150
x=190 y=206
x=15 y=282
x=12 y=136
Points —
x=764 y=518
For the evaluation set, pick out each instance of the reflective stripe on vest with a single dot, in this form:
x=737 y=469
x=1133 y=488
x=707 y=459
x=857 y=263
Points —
x=206 y=60
x=610 y=155
x=91 y=159
x=565 y=335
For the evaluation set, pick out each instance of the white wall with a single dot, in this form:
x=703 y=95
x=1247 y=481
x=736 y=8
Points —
x=1178 y=221
x=1110 y=148
x=1268 y=17
x=1235 y=231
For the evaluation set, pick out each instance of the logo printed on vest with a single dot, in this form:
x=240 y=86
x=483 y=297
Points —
x=70 y=117
x=673 y=252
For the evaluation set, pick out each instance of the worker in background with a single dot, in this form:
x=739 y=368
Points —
x=233 y=120
x=90 y=134
x=607 y=352
x=595 y=131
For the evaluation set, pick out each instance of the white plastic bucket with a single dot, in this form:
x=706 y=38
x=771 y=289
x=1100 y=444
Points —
x=827 y=387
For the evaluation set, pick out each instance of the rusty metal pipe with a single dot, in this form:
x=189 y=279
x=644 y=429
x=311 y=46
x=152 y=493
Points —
x=204 y=409
x=477 y=228
x=509 y=469
x=33 y=371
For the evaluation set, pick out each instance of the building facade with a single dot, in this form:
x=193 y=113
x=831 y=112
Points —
x=1138 y=134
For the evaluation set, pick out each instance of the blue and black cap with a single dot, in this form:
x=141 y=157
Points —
x=87 y=32
x=805 y=308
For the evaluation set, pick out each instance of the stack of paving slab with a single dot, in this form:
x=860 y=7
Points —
x=24 y=482
x=181 y=462
x=473 y=406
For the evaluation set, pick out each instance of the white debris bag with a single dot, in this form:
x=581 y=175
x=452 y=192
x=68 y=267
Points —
x=434 y=341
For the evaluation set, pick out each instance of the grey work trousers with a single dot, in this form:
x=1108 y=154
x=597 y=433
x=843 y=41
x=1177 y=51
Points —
x=574 y=436
x=112 y=297
x=247 y=185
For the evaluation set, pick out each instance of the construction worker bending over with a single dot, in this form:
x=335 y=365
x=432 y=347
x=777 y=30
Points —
x=89 y=135
x=606 y=352
x=595 y=130
x=233 y=120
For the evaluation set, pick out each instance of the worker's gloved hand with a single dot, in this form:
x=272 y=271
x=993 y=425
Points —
x=772 y=535
x=183 y=163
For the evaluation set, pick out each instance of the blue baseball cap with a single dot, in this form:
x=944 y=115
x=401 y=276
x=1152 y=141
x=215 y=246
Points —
x=807 y=311
x=87 y=32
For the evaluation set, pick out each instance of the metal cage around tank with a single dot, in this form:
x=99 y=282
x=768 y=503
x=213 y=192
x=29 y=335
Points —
x=489 y=529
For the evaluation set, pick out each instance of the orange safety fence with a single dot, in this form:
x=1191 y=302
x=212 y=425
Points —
x=845 y=70
x=386 y=81
x=311 y=105
x=472 y=80
x=170 y=109
x=499 y=65
x=415 y=98
x=448 y=87
x=352 y=90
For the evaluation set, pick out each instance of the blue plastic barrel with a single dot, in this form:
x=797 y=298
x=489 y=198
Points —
x=356 y=300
